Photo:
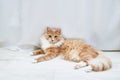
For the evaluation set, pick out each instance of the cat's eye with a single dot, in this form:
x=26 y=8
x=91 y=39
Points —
x=55 y=36
x=50 y=36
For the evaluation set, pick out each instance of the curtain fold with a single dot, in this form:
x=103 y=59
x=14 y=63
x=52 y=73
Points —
x=95 y=21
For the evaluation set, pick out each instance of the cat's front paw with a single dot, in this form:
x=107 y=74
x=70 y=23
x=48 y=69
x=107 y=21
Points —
x=31 y=53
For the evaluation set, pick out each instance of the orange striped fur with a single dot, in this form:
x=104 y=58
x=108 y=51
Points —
x=75 y=50
x=51 y=52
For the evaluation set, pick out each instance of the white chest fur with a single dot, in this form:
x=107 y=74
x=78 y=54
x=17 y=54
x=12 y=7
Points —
x=45 y=44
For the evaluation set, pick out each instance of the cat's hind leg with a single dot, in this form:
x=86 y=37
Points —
x=80 y=65
x=84 y=66
x=87 y=69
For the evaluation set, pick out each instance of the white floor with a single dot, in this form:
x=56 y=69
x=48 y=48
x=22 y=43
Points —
x=17 y=65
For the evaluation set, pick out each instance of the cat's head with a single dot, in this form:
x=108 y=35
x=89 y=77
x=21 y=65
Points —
x=53 y=35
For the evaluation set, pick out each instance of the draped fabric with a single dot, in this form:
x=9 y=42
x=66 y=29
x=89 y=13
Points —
x=95 y=21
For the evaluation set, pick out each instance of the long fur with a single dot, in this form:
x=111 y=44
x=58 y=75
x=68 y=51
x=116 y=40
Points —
x=50 y=42
x=53 y=44
x=100 y=63
x=77 y=51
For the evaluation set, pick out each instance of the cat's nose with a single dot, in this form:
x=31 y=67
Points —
x=52 y=39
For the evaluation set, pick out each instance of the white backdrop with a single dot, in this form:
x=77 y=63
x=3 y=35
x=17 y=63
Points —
x=95 y=21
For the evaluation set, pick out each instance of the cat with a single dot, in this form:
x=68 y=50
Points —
x=53 y=44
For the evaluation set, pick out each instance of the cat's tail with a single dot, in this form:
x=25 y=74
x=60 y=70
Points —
x=100 y=63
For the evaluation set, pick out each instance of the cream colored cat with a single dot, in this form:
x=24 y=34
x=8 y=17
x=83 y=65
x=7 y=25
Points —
x=53 y=44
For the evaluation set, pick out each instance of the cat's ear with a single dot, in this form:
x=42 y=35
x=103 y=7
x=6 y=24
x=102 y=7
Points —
x=48 y=29
x=58 y=31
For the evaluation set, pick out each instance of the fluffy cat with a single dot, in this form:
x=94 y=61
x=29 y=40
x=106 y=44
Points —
x=53 y=44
